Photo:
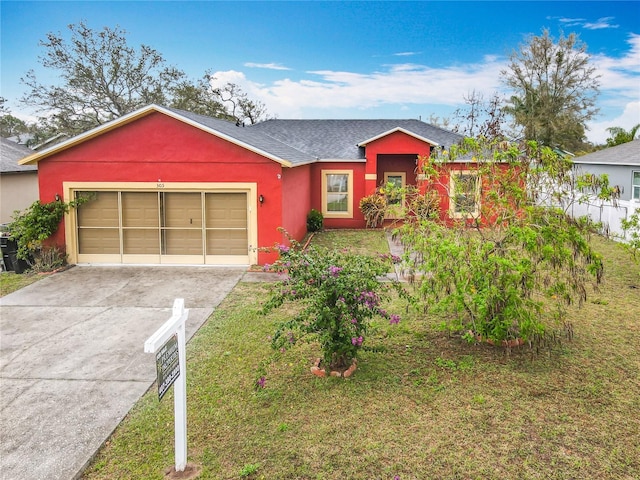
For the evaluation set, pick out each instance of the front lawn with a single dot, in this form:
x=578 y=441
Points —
x=422 y=405
x=11 y=281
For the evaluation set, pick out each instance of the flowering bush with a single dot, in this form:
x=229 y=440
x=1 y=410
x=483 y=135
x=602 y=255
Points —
x=339 y=293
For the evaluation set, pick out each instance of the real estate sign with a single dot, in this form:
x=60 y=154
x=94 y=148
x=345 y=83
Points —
x=167 y=365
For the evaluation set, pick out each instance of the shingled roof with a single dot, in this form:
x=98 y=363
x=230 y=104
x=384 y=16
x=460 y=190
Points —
x=343 y=139
x=248 y=136
x=623 y=154
x=289 y=142
x=10 y=154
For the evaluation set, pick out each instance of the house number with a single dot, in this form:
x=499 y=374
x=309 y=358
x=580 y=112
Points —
x=160 y=185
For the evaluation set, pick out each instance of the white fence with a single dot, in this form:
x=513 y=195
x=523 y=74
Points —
x=608 y=214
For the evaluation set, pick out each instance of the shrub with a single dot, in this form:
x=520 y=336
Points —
x=31 y=227
x=314 y=221
x=507 y=272
x=338 y=293
x=373 y=207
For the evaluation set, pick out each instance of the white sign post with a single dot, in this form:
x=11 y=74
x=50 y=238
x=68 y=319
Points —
x=175 y=326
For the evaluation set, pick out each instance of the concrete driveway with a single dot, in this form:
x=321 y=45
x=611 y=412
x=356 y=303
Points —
x=72 y=362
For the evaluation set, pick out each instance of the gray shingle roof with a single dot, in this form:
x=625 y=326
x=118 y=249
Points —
x=624 y=154
x=251 y=137
x=290 y=142
x=339 y=139
x=10 y=154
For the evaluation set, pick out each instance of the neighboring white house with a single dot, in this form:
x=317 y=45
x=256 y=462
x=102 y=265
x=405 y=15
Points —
x=18 y=183
x=622 y=165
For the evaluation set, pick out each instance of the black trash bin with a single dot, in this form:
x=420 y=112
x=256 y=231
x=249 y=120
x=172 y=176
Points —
x=6 y=259
x=10 y=258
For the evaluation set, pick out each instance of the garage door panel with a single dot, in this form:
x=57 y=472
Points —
x=227 y=242
x=100 y=211
x=140 y=209
x=141 y=242
x=226 y=210
x=183 y=242
x=92 y=241
x=183 y=210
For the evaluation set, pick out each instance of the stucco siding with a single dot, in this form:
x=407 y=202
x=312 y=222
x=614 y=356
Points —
x=17 y=192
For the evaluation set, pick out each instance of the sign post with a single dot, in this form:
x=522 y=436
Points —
x=168 y=343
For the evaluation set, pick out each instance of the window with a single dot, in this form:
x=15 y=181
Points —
x=464 y=195
x=337 y=193
x=395 y=201
x=635 y=187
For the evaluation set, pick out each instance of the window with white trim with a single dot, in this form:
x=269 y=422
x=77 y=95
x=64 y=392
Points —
x=337 y=193
x=464 y=197
x=635 y=186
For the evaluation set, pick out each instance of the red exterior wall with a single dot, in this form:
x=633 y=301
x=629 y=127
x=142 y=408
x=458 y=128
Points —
x=296 y=200
x=158 y=148
x=394 y=143
x=359 y=191
x=441 y=185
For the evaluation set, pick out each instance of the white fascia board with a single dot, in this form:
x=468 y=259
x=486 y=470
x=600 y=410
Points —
x=607 y=164
x=343 y=160
x=398 y=129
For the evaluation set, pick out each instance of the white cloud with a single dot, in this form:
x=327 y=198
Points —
x=601 y=23
x=426 y=89
x=405 y=54
x=620 y=77
x=629 y=118
x=604 y=22
x=268 y=66
x=407 y=84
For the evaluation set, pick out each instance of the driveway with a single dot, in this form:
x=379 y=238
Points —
x=72 y=361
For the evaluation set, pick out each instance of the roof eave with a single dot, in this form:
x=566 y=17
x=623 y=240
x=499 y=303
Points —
x=130 y=117
x=398 y=129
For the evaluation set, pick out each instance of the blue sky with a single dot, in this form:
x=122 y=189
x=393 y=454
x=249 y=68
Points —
x=345 y=59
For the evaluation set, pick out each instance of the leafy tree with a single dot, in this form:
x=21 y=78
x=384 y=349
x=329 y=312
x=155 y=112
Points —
x=554 y=89
x=506 y=260
x=10 y=126
x=103 y=78
x=619 y=135
x=228 y=102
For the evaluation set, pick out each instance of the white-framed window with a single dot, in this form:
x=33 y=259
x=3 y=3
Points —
x=395 y=203
x=464 y=196
x=337 y=193
x=635 y=186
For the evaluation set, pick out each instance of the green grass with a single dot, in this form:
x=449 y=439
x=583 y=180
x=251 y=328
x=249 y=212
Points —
x=359 y=241
x=10 y=281
x=422 y=405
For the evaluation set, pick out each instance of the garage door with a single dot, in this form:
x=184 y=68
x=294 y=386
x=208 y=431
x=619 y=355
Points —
x=163 y=227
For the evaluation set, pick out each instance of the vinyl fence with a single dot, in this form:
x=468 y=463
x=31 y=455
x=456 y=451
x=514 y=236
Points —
x=610 y=215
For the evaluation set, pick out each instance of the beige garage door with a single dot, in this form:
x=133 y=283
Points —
x=163 y=227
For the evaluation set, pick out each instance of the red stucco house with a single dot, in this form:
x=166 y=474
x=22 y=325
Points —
x=173 y=187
